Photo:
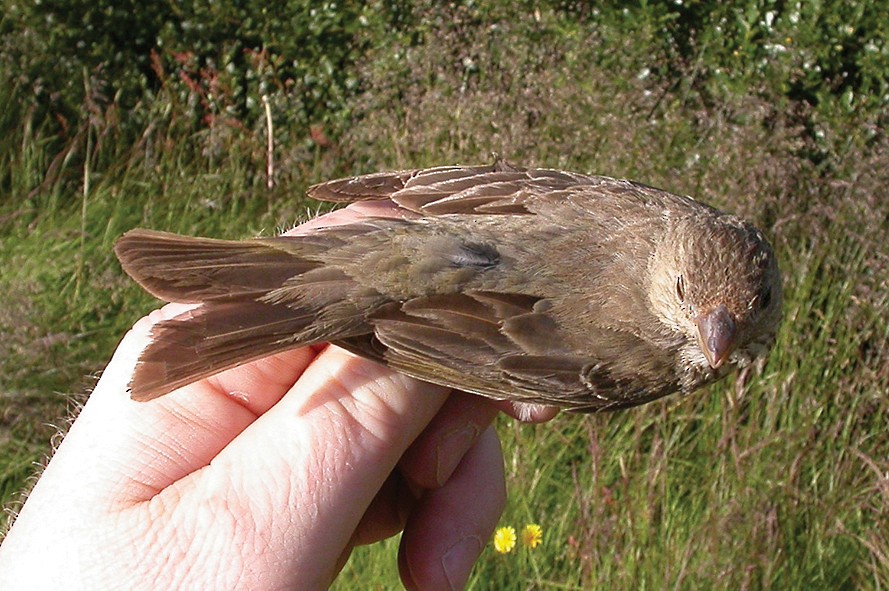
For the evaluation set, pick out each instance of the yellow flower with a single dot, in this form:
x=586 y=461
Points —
x=532 y=536
x=504 y=539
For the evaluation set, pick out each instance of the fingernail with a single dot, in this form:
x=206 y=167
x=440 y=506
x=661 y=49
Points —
x=458 y=561
x=451 y=450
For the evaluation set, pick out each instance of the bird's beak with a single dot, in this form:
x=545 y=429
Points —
x=716 y=335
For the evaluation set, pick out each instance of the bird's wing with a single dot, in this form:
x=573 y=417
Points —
x=500 y=188
x=438 y=338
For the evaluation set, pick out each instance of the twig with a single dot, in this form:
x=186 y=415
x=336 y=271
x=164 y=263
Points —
x=270 y=146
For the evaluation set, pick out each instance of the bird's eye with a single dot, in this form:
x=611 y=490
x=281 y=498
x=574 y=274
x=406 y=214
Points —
x=765 y=298
x=680 y=289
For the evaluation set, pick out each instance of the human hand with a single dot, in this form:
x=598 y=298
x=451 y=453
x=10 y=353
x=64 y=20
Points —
x=264 y=476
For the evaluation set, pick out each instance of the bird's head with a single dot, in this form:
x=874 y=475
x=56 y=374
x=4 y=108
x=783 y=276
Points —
x=715 y=281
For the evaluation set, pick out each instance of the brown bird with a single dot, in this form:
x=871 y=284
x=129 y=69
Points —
x=583 y=292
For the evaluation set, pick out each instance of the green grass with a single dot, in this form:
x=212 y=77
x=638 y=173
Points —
x=776 y=479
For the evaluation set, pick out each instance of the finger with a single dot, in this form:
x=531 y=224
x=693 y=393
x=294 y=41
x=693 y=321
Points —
x=388 y=512
x=429 y=462
x=312 y=465
x=353 y=213
x=448 y=529
x=527 y=412
x=384 y=517
x=432 y=458
x=140 y=448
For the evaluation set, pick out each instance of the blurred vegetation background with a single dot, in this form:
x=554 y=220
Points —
x=122 y=114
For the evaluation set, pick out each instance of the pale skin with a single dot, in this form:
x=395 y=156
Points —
x=263 y=477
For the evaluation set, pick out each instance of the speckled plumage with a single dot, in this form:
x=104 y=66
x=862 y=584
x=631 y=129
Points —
x=544 y=286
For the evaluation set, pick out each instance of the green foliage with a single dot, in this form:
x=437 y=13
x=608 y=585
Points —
x=824 y=53
x=219 y=58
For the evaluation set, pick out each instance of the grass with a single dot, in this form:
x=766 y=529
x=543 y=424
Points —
x=775 y=479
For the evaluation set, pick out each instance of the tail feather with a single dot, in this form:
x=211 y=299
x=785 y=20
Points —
x=259 y=297
x=192 y=270
x=210 y=339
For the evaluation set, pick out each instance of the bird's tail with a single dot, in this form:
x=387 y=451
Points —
x=258 y=297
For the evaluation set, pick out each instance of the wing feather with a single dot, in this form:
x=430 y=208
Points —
x=500 y=188
x=436 y=338
x=218 y=336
